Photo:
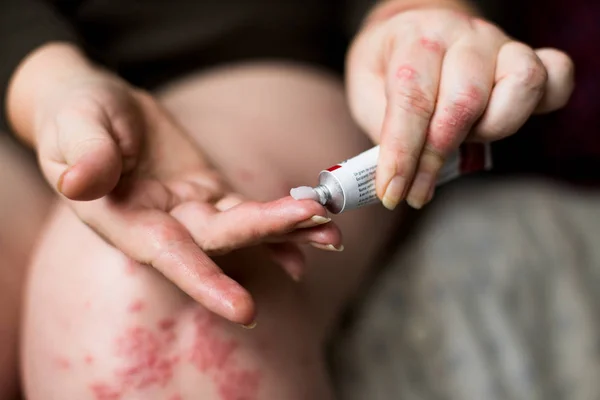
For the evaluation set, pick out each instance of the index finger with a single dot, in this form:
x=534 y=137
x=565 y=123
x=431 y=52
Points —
x=153 y=237
x=411 y=90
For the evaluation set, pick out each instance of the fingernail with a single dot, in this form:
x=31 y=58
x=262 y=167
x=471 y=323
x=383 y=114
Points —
x=327 y=247
x=419 y=192
x=251 y=325
x=394 y=192
x=313 y=221
x=61 y=180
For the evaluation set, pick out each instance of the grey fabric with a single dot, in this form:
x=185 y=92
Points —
x=496 y=295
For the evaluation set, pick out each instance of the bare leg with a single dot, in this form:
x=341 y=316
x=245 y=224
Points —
x=23 y=204
x=102 y=328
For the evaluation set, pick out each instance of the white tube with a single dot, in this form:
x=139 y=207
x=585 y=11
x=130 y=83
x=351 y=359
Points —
x=351 y=183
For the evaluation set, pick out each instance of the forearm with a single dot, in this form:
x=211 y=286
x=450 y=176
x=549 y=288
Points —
x=38 y=79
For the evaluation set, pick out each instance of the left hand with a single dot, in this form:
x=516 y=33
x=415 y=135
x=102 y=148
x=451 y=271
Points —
x=424 y=80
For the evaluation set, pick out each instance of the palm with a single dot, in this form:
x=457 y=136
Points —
x=168 y=208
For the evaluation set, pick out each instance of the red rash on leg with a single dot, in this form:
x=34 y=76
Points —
x=63 y=363
x=431 y=45
x=136 y=306
x=102 y=391
x=239 y=385
x=148 y=361
x=210 y=351
x=131 y=266
x=212 y=354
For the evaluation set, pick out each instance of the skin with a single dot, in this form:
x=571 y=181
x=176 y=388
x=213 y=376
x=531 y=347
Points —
x=90 y=301
x=422 y=78
x=24 y=204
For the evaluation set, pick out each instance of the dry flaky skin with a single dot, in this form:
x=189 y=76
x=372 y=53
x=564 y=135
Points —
x=101 y=327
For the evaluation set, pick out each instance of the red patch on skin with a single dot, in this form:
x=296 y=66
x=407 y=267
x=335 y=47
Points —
x=431 y=45
x=136 y=306
x=166 y=324
x=131 y=266
x=88 y=359
x=102 y=391
x=406 y=73
x=63 y=363
x=215 y=355
x=246 y=174
x=239 y=385
x=457 y=119
x=210 y=351
x=148 y=362
x=176 y=397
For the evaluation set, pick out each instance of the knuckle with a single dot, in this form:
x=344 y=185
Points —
x=414 y=100
x=532 y=74
x=404 y=156
x=467 y=105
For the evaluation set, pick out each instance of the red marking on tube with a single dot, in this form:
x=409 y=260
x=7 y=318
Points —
x=136 y=306
x=239 y=385
x=210 y=350
x=331 y=169
x=431 y=45
x=102 y=391
x=62 y=363
x=472 y=157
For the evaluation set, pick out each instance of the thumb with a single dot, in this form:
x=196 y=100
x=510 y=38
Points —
x=87 y=163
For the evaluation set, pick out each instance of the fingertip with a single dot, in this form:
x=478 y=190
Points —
x=88 y=180
x=230 y=300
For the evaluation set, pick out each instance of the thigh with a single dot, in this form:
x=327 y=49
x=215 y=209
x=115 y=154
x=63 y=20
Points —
x=113 y=329
x=23 y=203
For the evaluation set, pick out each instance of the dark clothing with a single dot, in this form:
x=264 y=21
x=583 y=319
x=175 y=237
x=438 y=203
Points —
x=150 y=42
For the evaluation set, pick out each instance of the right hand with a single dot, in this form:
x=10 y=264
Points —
x=131 y=174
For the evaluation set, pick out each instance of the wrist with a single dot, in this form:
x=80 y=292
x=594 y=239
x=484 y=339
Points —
x=386 y=9
x=38 y=81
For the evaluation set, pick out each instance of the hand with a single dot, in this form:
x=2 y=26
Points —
x=132 y=175
x=422 y=81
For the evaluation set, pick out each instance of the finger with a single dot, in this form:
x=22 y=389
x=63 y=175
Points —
x=153 y=237
x=520 y=84
x=247 y=223
x=411 y=89
x=186 y=190
x=324 y=237
x=465 y=86
x=289 y=257
x=561 y=79
x=82 y=159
